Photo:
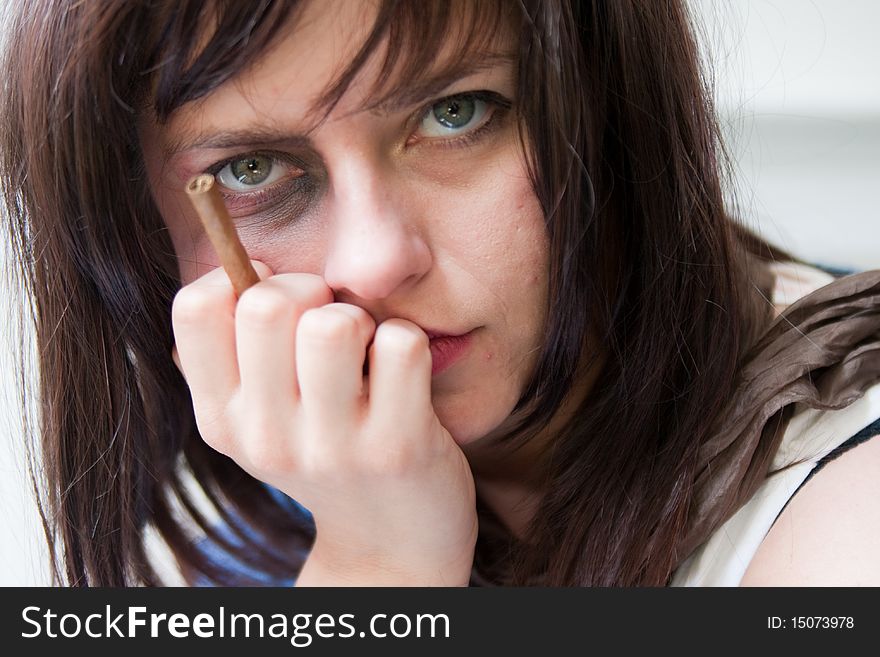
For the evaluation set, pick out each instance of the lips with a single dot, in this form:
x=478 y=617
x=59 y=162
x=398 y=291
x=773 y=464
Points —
x=447 y=349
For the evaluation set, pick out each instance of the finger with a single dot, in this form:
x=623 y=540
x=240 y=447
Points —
x=202 y=317
x=265 y=322
x=400 y=373
x=331 y=346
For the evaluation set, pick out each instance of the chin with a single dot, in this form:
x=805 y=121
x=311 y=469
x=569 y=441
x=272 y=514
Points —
x=469 y=423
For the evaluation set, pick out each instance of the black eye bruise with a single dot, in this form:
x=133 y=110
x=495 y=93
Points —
x=288 y=207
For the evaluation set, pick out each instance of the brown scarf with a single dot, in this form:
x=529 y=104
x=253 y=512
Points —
x=822 y=352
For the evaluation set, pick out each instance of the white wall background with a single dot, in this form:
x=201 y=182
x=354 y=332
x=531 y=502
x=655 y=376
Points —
x=23 y=560
x=798 y=87
x=798 y=90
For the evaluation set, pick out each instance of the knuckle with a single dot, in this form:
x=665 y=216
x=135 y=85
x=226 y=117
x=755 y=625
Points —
x=402 y=340
x=360 y=316
x=327 y=325
x=264 y=305
x=310 y=290
x=265 y=443
x=262 y=429
x=320 y=464
x=192 y=304
x=265 y=454
x=315 y=291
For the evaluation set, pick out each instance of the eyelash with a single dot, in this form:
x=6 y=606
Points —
x=498 y=107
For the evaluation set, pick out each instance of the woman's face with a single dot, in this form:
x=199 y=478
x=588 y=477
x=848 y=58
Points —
x=420 y=208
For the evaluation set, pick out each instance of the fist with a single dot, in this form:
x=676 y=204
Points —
x=315 y=399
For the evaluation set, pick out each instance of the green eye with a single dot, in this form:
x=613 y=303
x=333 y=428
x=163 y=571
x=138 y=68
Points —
x=255 y=171
x=455 y=115
x=251 y=170
x=454 y=112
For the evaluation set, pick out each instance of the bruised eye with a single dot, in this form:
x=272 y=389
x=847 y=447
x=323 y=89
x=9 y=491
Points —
x=454 y=115
x=251 y=172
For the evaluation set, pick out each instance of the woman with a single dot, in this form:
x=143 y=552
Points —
x=504 y=333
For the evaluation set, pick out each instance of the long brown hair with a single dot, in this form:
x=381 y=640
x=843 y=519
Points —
x=623 y=155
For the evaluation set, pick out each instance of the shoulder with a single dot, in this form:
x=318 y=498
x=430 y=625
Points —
x=829 y=533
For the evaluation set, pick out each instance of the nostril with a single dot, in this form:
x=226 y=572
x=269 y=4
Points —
x=365 y=284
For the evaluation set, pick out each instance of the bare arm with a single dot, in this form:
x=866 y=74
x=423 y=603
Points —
x=829 y=534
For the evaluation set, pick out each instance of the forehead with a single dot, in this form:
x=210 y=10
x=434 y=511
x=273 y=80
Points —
x=314 y=48
x=372 y=54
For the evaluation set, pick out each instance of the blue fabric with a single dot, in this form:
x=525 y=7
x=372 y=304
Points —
x=835 y=270
x=219 y=557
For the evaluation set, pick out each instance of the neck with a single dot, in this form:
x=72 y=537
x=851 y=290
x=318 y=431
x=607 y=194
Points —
x=512 y=483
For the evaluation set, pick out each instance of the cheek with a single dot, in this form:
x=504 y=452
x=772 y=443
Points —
x=517 y=240
x=194 y=261
x=282 y=250
x=535 y=241
x=508 y=251
x=184 y=229
x=521 y=279
x=193 y=251
x=195 y=255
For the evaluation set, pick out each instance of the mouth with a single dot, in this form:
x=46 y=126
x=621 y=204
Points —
x=447 y=349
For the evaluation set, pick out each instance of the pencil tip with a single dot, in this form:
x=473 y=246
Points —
x=200 y=184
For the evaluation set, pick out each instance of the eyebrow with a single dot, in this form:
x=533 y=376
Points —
x=403 y=97
x=255 y=137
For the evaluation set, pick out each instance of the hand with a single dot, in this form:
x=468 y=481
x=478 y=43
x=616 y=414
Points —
x=278 y=385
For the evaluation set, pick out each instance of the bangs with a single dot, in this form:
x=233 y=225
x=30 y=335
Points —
x=196 y=47
x=428 y=45
x=424 y=45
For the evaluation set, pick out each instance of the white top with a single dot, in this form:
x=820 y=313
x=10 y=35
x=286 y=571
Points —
x=724 y=558
x=811 y=434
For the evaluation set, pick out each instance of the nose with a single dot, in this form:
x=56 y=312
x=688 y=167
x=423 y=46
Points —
x=376 y=247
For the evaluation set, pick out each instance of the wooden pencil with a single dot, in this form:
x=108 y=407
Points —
x=208 y=203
